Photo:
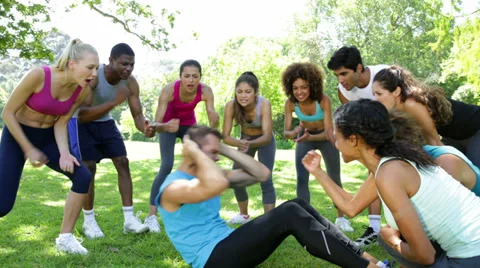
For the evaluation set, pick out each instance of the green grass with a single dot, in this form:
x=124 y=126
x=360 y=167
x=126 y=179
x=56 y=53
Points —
x=27 y=234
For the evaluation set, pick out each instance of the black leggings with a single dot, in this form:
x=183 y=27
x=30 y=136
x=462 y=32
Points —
x=255 y=241
x=12 y=160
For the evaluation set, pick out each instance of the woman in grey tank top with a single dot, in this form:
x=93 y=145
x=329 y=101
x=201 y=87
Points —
x=254 y=115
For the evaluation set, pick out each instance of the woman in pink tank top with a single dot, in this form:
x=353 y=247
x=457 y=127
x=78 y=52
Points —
x=36 y=117
x=175 y=114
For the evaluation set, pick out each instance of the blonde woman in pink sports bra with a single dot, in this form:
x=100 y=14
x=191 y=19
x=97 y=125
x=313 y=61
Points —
x=175 y=114
x=36 y=117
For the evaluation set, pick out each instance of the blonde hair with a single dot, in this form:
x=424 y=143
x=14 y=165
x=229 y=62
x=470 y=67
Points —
x=74 y=51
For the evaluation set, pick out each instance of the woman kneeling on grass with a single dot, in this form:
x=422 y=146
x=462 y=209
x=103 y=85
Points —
x=433 y=219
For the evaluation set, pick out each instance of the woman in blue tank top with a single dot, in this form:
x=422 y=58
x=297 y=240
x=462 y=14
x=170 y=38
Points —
x=433 y=220
x=450 y=159
x=303 y=85
x=254 y=115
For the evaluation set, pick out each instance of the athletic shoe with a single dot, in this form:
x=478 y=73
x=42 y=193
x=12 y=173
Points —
x=91 y=229
x=369 y=237
x=343 y=224
x=239 y=219
x=70 y=244
x=389 y=264
x=134 y=225
x=152 y=223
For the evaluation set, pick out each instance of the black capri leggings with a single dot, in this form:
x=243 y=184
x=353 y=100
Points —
x=253 y=242
x=12 y=160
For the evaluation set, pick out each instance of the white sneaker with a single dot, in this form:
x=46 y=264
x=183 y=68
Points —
x=343 y=224
x=91 y=229
x=134 y=225
x=152 y=223
x=239 y=219
x=70 y=244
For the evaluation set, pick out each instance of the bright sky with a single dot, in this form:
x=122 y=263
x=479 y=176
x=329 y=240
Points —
x=215 y=21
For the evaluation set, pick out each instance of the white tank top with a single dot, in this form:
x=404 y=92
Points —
x=357 y=93
x=448 y=211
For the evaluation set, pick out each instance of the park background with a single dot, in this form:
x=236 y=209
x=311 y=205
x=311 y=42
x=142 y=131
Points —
x=435 y=39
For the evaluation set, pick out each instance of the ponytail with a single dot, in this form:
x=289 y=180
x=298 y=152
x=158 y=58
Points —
x=74 y=51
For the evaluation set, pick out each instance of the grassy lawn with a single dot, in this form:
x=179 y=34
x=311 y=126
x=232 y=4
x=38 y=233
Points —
x=27 y=234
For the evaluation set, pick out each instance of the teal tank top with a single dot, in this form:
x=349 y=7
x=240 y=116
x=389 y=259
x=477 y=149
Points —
x=436 y=151
x=194 y=229
x=310 y=118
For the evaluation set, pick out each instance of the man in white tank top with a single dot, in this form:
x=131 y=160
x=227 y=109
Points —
x=94 y=134
x=354 y=83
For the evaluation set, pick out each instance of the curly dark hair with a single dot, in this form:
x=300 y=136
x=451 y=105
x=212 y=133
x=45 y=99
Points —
x=239 y=113
x=433 y=98
x=370 y=120
x=308 y=72
x=406 y=128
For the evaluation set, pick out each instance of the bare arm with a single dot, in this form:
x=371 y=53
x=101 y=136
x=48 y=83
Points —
x=350 y=204
x=266 y=136
x=209 y=105
x=287 y=133
x=342 y=98
x=210 y=181
x=88 y=113
x=27 y=86
x=165 y=97
x=458 y=169
x=422 y=116
x=135 y=104
x=227 y=126
x=250 y=171
x=393 y=181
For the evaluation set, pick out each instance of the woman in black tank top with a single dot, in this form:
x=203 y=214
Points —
x=441 y=119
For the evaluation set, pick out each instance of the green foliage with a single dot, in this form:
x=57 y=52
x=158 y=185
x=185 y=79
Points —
x=464 y=59
x=264 y=57
x=152 y=27
x=21 y=24
x=19 y=29
x=411 y=33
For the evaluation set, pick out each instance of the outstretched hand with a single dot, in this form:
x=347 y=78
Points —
x=311 y=161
